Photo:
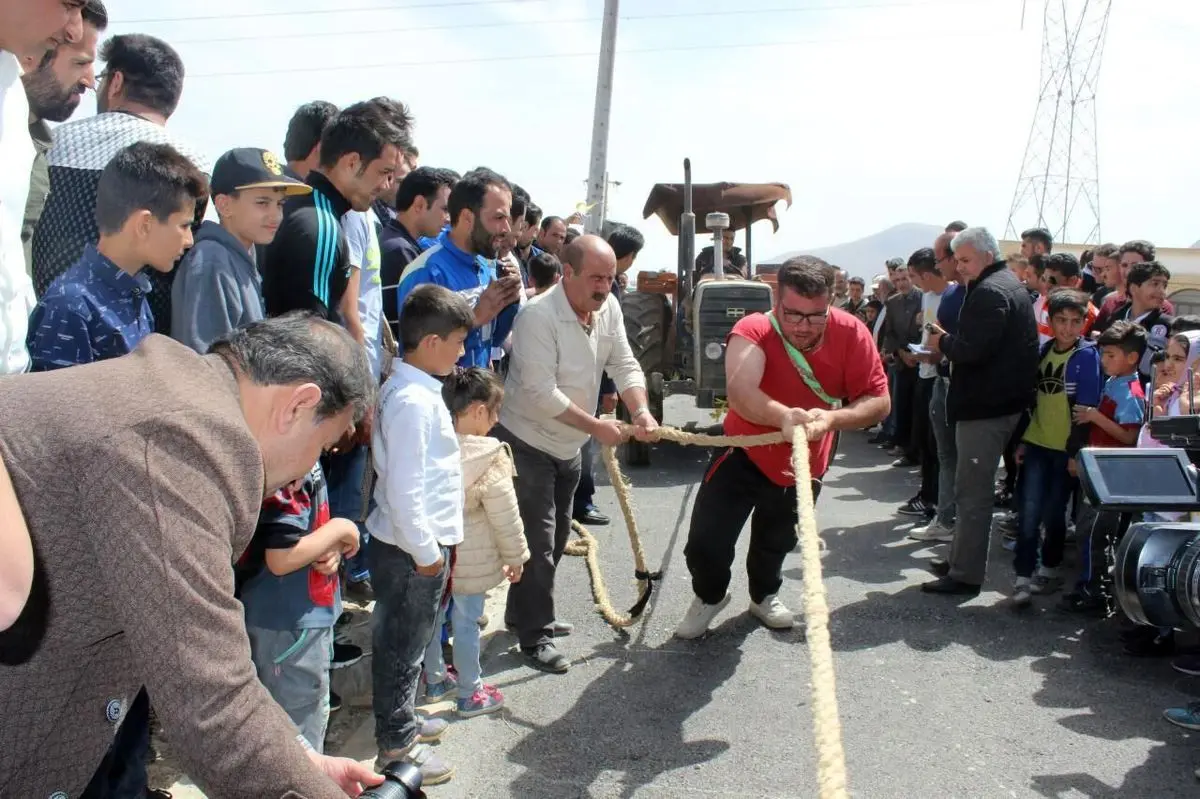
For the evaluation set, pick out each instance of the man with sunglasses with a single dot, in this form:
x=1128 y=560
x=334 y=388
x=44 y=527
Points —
x=783 y=369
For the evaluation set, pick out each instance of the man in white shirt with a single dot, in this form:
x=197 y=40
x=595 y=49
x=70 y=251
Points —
x=562 y=342
x=27 y=28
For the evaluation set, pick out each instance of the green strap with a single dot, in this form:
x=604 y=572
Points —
x=806 y=372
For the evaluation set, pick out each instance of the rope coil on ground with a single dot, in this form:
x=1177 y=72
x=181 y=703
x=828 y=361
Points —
x=827 y=726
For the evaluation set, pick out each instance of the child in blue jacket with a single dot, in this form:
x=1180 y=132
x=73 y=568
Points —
x=1068 y=373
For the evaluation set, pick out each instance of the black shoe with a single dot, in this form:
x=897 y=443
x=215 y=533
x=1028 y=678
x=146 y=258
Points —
x=593 y=517
x=948 y=585
x=915 y=507
x=345 y=655
x=561 y=629
x=1084 y=603
x=939 y=566
x=904 y=462
x=359 y=591
x=544 y=657
x=1160 y=645
x=878 y=438
x=1139 y=633
x=335 y=702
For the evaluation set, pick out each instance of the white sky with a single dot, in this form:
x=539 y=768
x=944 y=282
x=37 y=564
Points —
x=876 y=112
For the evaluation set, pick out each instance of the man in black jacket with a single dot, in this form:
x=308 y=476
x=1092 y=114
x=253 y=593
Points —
x=993 y=357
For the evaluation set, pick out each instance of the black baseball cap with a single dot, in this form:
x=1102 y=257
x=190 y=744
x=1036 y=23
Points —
x=251 y=168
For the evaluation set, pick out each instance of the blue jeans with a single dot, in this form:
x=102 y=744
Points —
x=347 y=475
x=1045 y=494
x=465 y=611
x=889 y=424
x=402 y=625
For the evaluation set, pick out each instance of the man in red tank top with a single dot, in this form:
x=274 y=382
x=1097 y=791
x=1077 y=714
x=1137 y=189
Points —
x=782 y=369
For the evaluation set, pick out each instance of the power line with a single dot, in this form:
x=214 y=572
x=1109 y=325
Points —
x=576 y=20
x=588 y=54
x=315 y=12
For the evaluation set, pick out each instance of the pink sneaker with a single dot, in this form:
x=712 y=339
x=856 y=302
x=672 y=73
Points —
x=487 y=700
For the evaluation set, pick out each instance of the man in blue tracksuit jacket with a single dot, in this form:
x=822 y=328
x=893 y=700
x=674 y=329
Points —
x=462 y=260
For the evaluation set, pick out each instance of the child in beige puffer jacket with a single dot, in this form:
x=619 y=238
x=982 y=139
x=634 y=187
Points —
x=493 y=548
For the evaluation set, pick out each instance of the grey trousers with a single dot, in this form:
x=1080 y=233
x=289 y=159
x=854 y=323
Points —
x=545 y=496
x=293 y=665
x=980 y=444
x=947 y=452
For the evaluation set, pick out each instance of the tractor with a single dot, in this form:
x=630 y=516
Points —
x=677 y=322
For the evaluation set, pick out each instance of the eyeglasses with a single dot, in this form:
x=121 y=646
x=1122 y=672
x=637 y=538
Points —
x=796 y=317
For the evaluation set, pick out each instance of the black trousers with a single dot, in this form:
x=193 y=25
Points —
x=1011 y=469
x=586 y=490
x=906 y=380
x=122 y=773
x=733 y=491
x=923 y=441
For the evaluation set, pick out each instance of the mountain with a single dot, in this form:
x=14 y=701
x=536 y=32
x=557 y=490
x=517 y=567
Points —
x=866 y=256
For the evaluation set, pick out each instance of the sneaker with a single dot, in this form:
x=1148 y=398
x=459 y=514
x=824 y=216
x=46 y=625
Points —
x=1046 y=581
x=345 y=655
x=773 y=613
x=915 y=507
x=447 y=688
x=699 y=616
x=1188 y=664
x=905 y=462
x=934 y=531
x=1022 y=592
x=432 y=729
x=487 y=700
x=335 y=702
x=895 y=451
x=1186 y=717
x=434 y=770
x=546 y=657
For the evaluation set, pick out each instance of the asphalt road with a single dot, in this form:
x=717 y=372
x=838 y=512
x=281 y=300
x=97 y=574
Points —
x=938 y=697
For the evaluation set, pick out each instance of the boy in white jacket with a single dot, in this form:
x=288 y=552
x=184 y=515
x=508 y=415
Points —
x=493 y=548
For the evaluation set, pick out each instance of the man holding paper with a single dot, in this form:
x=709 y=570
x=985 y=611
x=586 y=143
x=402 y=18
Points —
x=782 y=369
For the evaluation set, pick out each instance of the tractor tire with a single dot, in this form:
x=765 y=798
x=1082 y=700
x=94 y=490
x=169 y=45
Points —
x=648 y=328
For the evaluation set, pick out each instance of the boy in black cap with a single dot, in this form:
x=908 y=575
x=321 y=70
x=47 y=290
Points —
x=218 y=287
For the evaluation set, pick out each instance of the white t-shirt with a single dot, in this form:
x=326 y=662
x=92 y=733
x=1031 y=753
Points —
x=929 y=308
x=359 y=227
x=16 y=156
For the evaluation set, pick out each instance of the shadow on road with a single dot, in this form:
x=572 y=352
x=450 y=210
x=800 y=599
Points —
x=630 y=719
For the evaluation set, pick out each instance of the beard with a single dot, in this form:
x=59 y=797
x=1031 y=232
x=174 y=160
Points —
x=48 y=100
x=482 y=240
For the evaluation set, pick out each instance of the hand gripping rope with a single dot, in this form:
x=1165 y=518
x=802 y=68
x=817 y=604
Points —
x=827 y=728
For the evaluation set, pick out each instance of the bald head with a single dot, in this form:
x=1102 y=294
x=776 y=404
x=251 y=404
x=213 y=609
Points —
x=591 y=267
x=577 y=253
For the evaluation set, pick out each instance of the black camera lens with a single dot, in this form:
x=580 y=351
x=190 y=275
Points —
x=1157 y=574
x=401 y=781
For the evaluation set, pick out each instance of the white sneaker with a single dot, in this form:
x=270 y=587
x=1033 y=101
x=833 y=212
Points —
x=1022 y=592
x=934 y=531
x=699 y=616
x=773 y=613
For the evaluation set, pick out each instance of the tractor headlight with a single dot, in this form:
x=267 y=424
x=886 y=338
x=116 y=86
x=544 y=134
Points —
x=713 y=350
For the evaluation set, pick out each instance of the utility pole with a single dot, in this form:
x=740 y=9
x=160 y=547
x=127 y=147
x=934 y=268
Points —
x=598 y=169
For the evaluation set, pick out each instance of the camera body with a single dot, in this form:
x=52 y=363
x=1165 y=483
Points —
x=1157 y=566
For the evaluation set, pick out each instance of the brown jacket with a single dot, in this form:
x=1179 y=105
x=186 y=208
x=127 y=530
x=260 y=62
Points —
x=141 y=484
